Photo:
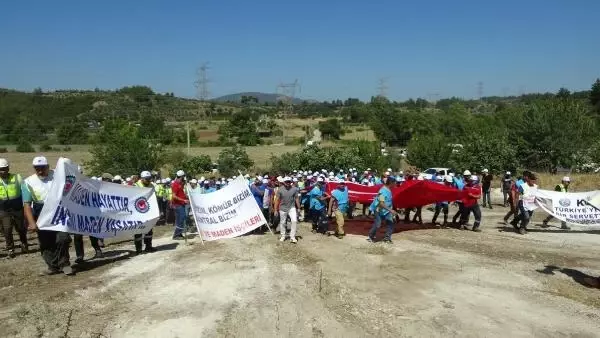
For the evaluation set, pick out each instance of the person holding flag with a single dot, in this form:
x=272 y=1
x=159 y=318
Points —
x=384 y=211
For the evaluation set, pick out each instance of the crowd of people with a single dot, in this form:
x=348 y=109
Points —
x=300 y=195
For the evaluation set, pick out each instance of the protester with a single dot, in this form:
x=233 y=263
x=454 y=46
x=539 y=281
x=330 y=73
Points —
x=471 y=204
x=507 y=182
x=564 y=188
x=442 y=206
x=486 y=187
x=384 y=212
x=317 y=205
x=338 y=205
x=527 y=192
x=144 y=182
x=179 y=202
x=54 y=245
x=11 y=208
x=288 y=204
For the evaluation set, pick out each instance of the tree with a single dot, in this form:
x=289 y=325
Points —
x=563 y=93
x=595 y=95
x=194 y=165
x=429 y=151
x=120 y=148
x=140 y=94
x=331 y=128
x=72 y=133
x=487 y=147
x=242 y=126
x=233 y=159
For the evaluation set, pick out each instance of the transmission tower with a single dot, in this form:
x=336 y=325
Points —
x=382 y=86
x=286 y=92
x=479 y=90
x=202 y=92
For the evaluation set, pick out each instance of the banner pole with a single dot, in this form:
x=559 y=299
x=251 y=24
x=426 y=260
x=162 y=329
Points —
x=195 y=221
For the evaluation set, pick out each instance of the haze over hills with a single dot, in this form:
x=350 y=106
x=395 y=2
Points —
x=262 y=97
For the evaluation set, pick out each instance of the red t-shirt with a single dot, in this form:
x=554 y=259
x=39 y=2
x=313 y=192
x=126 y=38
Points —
x=177 y=189
x=470 y=201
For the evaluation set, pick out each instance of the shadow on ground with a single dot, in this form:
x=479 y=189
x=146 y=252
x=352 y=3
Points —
x=578 y=276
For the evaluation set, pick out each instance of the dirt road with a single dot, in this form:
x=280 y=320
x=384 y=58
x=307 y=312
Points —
x=429 y=283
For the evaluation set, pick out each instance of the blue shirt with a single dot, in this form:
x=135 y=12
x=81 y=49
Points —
x=519 y=183
x=386 y=193
x=341 y=196
x=210 y=189
x=458 y=183
x=315 y=202
x=258 y=193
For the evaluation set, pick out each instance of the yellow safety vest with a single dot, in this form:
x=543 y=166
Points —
x=11 y=189
x=561 y=187
x=159 y=190
x=141 y=185
x=169 y=194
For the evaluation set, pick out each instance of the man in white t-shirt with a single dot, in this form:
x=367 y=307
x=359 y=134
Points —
x=527 y=192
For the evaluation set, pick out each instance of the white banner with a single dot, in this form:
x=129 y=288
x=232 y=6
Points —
x=226 y=213
x=581 y=208
x=80 y=205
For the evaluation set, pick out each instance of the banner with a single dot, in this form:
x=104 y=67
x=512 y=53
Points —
x=409 y=194
x=581 y=208
x=80 y=205
x=226 y=213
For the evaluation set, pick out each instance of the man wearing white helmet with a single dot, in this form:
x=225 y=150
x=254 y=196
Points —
x=288 y=204
x=179 y=203
x=564 y=188
x=144 y=182
x=471 y=203
x=318 y=198
x=12 y=189
x=338 y=206
x=54 y=245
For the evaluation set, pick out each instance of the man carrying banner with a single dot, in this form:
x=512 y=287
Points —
x=564 y=188
x=144 y=182
x=54 y=245
x=11 y=208
x=384 y=211
x=340 y=207
x=442 y=206
x=288 y=203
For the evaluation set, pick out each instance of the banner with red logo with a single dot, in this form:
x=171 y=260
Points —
x=80 y=205
x=409 y=194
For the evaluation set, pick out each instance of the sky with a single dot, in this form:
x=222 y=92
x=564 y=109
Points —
x=334 y=48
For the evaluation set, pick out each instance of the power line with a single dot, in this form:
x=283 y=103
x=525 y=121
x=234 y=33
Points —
x=286 y=92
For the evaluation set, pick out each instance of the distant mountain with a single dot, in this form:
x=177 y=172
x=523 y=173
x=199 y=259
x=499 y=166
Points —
x=262 y=97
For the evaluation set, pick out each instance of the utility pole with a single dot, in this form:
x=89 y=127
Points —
x=202 y=94
x=286 y=92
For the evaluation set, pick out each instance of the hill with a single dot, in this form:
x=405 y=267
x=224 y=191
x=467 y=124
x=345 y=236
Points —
x=270 y=98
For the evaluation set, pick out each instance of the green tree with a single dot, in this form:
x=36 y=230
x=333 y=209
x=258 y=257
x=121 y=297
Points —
x=487 y=147
x=195 y=165
x=563 y=93
x=120 y=148
x=140 y=94
x=331 y=128
x=72 y=133
x=233 y=159
x=243 y=127
x=595 y=95
x=429 y=151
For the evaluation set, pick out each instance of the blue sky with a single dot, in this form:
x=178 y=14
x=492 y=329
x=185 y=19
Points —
x=335 y=48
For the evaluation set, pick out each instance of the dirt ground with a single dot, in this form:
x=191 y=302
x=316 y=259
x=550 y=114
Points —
x=430 y=282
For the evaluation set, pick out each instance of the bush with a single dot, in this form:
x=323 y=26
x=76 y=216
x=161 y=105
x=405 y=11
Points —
x=3 y=150
x=46 y=146
x=331 y=128
x=67 y=148
x=25 y=147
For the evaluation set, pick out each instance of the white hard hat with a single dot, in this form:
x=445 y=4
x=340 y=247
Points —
x=3 y=163
x=145 y=174
x=266 y=176
x=246 y=176
x=448 y=178
x=40 y=161
x=485 y=171
x=287 y=179
x=128 y=179
x=201 y=178
x=331 y=173
x=401 y=172
x=234 y=177
x=168 y=179
x=305 y=173
x=320 y=179
x=218 y=182
x=194 y=181
x=474 y=178
x=295 y=179
x=369 y=169
x=366 y=172
x=265 y=181
x=387 y=173
x=180 y=173
x=295 y=170
x=331 y=177
x=117 y=178
x=508 y=173
x=229 y=180
x=466 y=173
x=566 y=179
x=206 y=181
x=309 y=177
x=365 y=180
x=451 y=174
x=94 y=178
x=279 y=179
x=389 y=169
